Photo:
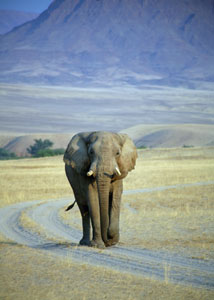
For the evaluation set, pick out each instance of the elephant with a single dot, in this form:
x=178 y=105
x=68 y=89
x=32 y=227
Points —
x=95 y=165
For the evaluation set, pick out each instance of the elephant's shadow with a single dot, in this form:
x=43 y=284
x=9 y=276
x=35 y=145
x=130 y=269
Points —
x=57 y=248
x=51 y=246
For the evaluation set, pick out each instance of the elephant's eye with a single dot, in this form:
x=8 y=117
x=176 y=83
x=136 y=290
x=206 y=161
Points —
x=118 y=153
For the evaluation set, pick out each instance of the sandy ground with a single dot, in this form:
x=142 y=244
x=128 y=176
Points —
x=40 y=109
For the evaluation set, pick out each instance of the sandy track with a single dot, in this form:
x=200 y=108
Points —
x=61 y=239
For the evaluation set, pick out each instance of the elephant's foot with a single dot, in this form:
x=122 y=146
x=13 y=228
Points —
x=112 y=241
x=84 y=242
x=97 y=244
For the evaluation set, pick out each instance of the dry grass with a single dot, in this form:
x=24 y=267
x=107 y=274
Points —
x=176 y=219
x=31 y=274
x=163 y=167
x=32 y=179
x=44 y=178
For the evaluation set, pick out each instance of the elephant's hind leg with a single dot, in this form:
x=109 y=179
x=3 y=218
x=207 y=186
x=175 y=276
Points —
x=85 y=225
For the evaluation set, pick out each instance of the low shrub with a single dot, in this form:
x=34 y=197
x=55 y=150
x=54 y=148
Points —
x=5 y=154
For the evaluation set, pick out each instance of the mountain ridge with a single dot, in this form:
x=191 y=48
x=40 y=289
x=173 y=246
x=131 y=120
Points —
x=12 y=18
x=103 y=42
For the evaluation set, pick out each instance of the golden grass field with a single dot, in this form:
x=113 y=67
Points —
x=175 y=219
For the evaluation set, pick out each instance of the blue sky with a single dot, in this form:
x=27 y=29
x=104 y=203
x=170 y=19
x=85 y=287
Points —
x=25 y=5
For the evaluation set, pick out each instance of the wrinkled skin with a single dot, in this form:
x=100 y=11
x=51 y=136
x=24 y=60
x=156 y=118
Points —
x=95 y=165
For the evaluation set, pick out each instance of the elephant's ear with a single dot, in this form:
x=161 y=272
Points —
x=128 y=155
x=76 y=153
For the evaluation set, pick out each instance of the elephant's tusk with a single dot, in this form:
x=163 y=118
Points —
x=118 y=171
x=90 y=173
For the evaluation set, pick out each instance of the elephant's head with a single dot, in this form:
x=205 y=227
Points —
x=104 y=157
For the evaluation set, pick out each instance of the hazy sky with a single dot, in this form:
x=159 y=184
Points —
x=25 y=5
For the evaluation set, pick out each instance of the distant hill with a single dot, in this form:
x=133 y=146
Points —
x=154 y=136
x=19 y=144
x=11 y=18
x=167 y=136
x=88 y=42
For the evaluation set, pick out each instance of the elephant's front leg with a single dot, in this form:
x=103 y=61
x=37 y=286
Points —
x=94 y=209
x=113 y=232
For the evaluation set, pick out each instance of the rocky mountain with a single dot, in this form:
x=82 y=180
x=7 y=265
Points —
x=102 y=42
x=11 y=18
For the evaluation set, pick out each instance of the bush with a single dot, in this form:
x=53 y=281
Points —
x=5 y=154
x=49 y=152
x=42 y=148
x=38 y=146
x=188 y=146
x=59 y=151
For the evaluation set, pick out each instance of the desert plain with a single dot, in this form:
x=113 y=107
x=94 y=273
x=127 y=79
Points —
x=166 y=224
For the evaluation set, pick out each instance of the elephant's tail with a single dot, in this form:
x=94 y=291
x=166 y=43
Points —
x=70 y=206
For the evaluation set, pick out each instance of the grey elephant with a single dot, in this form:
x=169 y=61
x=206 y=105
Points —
x=95 y=165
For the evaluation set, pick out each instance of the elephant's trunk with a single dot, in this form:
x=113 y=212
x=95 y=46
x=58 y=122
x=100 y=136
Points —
x=103 y=185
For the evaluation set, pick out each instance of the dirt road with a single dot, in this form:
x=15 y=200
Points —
x=60 y=239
